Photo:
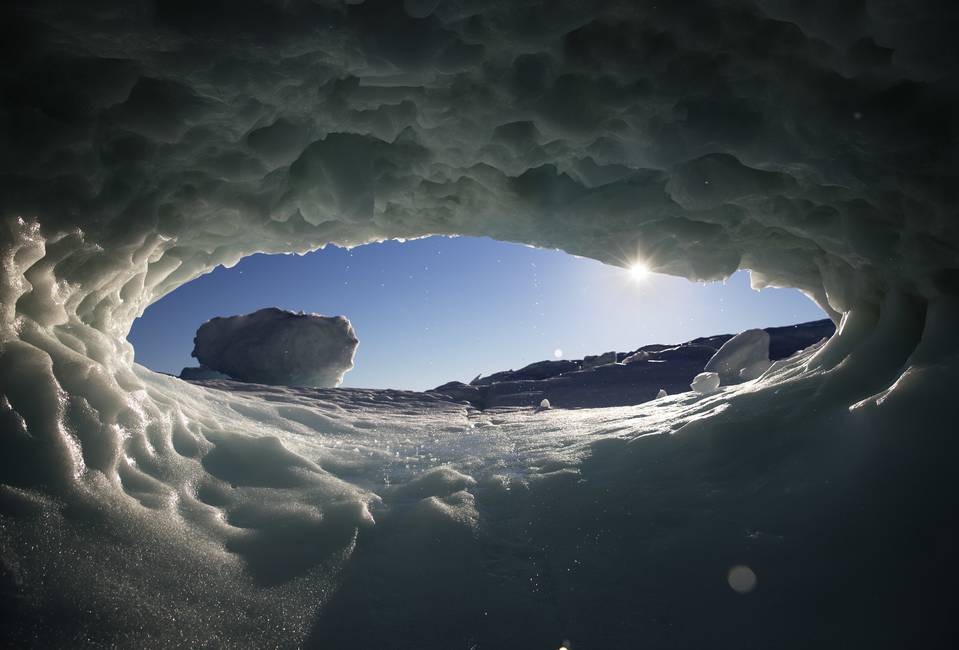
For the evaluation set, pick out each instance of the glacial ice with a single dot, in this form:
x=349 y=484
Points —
x=144 y=144
x=705 y=383
x=741 y=358
x=275 y=346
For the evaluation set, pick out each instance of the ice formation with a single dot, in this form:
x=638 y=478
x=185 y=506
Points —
x=641 y=355
x=275 y=346
x=597 y=360
x=143 y=144
x=705 y=383
x=741 y=358
x=582 y=383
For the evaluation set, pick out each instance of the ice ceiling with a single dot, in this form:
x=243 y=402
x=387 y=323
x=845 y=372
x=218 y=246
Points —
x=143 y=143
x=813 y=143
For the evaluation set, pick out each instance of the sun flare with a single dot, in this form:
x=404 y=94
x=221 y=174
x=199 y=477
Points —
x=638 y=272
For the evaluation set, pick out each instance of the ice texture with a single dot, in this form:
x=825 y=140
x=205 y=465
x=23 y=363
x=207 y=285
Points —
x=144 y=144
x=741 y=358
x=275 y=346
x=705 y=383
x=678 y=149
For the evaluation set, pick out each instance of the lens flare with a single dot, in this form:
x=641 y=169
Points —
x=638 y=271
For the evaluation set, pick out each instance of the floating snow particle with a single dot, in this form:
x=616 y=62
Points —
x=558 y=353
x=545 y=404
x=662 y=393
x=705 y=383
x=742 y=579
x=273 y=346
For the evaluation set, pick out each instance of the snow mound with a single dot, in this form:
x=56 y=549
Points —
x=274 y=346
x=705 y=383
x=741 y=358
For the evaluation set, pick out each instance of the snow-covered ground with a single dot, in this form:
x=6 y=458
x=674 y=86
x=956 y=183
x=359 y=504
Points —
x=347 y=518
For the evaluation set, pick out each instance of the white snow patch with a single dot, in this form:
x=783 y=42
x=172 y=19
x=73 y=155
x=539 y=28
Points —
x=705 y=383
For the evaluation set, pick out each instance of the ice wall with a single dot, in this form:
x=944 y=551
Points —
x=142 y=144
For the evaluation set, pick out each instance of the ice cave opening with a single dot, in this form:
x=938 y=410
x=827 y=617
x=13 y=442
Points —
x=155 y=502
x=439 y=309
x=814 y=505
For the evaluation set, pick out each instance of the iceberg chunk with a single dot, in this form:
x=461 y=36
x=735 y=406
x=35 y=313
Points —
x=274 y=346
x=741 y=358
x=705 y=383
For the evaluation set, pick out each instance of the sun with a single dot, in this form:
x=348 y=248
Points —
x=638 y=271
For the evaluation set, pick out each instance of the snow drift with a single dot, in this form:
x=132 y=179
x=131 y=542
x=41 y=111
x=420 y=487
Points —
x=274 y=346
x=813 y=143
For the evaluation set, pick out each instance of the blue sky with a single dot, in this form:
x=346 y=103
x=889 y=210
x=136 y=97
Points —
x=437 y=309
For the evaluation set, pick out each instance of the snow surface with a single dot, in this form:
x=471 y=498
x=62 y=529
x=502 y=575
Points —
x=340 y=517
x=275 y=346
x=143 y=144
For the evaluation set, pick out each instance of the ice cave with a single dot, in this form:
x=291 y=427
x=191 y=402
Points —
x=812 y=504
